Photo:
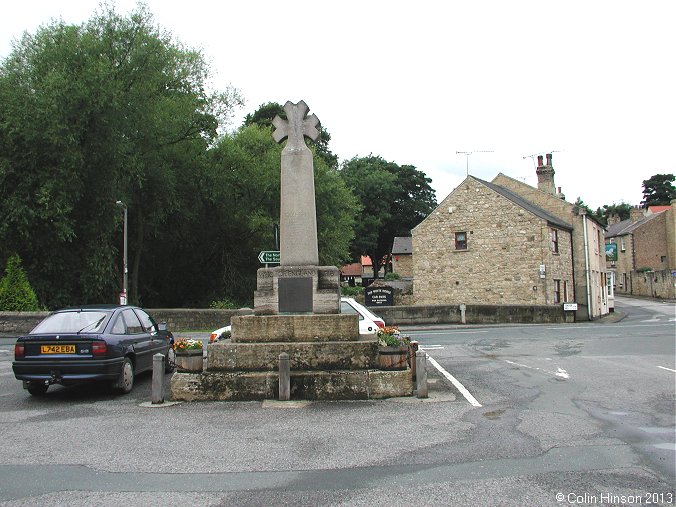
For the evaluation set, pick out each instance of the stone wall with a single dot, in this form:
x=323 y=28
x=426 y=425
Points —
x=177 y=319
x=650 y=244
x=20 y=322
x=474 y=314
x=186 y=319
x=505 y=247
x=402 y=264
x=656 y=284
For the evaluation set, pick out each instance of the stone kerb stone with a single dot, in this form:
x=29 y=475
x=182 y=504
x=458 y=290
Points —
x=295 y=328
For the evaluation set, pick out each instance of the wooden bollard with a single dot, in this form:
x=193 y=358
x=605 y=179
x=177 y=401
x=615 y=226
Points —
x=284 y=377
x=421 y=374
x=157 y=394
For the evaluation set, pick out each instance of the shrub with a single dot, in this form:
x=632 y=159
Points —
x=224 y=304
x=16 y=294
x=348 y=291
x=392 y=276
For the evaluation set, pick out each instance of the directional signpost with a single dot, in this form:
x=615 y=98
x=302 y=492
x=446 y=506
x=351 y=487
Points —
x=269 y=257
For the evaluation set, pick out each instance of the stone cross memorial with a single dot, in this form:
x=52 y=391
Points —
x=298 y=284
x=298 y=215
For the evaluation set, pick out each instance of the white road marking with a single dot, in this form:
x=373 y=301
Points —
x=665 y=368
x=560 y=372
x=431 y=347
x=463 y=390
x=452 y=332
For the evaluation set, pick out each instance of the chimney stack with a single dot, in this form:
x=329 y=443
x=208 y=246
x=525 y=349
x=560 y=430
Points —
x=545 y=175
x=636 y=213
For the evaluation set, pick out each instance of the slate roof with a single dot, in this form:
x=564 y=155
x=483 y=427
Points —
x=628 y=226
x=528 y=206
x=402 y=245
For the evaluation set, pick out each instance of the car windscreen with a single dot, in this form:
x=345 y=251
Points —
x=73 y=322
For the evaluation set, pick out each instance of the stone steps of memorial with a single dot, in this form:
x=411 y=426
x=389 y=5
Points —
x=305 y=385
x=353 y=355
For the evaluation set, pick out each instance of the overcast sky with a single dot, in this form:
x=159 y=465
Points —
x=417 y=82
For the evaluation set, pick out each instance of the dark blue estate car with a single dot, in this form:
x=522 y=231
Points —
x=104 y=343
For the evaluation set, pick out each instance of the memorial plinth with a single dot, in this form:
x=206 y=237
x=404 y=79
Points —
x=297 y=309
x=334 y=363
x=297 y=289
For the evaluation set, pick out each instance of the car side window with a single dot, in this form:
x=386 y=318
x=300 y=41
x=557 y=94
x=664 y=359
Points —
x=131 y=320
x=347 y=308
x=119 y=327
x=146 y=321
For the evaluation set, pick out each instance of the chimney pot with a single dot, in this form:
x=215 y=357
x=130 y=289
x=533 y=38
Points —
x=539 y=160
x=549 y=159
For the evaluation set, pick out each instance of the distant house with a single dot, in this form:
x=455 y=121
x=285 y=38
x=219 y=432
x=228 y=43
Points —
x=358 y=273
x=644 y=252
x=351 y=274
x=402 y=256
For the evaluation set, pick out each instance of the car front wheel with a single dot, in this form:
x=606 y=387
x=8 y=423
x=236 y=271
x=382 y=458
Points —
x=125 y=383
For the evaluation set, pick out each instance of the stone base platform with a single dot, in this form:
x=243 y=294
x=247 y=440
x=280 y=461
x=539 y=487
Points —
x=305 y=385
x=295 y=328
x=354 y=355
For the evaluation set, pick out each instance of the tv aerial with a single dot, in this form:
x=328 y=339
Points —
x=468 y=153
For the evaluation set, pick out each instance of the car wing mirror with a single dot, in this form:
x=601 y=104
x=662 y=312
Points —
x=162 y=326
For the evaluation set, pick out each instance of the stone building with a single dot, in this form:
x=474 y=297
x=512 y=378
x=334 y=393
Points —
x=515 y=229
x=486 y=245
x=589 y=261
x=646 y=252
x=402 y=257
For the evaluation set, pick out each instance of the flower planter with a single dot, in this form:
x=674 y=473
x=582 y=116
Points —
x=190 y=361
x=393 y=358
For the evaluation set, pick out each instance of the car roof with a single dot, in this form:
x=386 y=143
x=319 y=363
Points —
x=103 y=307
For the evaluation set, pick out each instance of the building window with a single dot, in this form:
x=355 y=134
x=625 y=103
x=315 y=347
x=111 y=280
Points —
x=461 y=241
x=557 y=291
x=565 y=291
x=622 y=244
x=554 y=239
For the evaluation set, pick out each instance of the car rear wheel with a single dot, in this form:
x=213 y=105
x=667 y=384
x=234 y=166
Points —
x=125 y=383
x=37 y=388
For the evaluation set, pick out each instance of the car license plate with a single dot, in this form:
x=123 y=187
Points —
x=57 y=349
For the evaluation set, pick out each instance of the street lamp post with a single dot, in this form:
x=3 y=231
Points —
x=123 y=295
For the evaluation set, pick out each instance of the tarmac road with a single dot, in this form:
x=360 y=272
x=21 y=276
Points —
x=602 y=435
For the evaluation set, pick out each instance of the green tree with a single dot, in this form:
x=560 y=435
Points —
x=239 y=191
x=394 y=199
x=109 y=110
x=658 y=190
x=16 y=293
x=623 y=210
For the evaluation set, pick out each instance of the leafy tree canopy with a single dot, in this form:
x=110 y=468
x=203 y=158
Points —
x=658 y=190
x=622 y=210
x=394 y=199
x=109 y=110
